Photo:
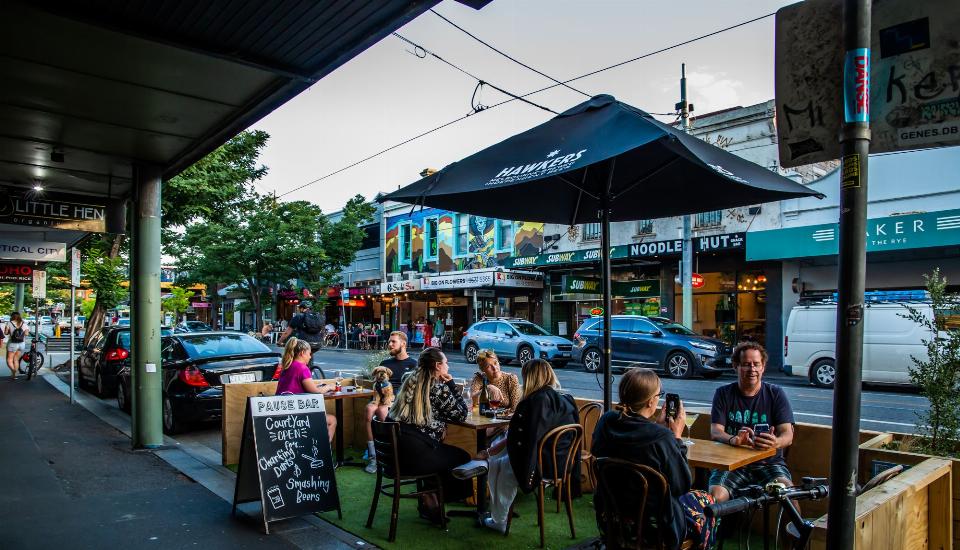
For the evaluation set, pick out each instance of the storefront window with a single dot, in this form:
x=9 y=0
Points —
x=729 y=306
x=504 y=236
x=430 y=235
x=405 y=244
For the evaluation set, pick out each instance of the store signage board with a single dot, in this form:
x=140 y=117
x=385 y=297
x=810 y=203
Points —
x=460 y=280
x=13 y=248
x=16 y=273
x=645 y=288
x=573 y=284
x=480 y=293
x=285 y=458
x=905 y=232
x=714 y=243
x=200 y=305
x=672 y=247
x=913 y=61
x=517 y=280
x=590 y=255
x=400 y=286
x=55 y=210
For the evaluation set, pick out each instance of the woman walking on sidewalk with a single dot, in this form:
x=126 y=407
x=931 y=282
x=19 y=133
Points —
x=16 y=332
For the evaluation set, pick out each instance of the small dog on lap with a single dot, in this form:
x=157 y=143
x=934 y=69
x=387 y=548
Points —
x=382 y=388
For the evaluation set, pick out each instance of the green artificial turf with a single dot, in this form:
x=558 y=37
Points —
x=356 y=492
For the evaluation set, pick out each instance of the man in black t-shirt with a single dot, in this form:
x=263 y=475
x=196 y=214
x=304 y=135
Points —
x=399 y=364
x=737 y=410
x=306 y=325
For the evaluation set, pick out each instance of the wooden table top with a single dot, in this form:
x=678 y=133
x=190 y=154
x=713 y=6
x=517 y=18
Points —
x=348 y=394
x=477 y=421
x=720 y=456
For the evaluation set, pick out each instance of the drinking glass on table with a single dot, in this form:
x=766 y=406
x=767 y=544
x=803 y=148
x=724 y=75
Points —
x=689 y=420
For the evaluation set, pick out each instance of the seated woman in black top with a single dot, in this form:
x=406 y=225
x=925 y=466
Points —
x=632 y=434
x=427 y=400
x=540 y=410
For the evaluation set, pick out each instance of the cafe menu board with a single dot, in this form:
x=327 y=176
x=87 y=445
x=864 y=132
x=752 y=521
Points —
x=285 y=459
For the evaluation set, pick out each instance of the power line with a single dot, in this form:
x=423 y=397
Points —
x=478 y=79
x=518 y=62
x=442 y=126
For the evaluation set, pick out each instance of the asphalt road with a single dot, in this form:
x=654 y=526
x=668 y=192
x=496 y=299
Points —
x=885 y=409
x=882 y=409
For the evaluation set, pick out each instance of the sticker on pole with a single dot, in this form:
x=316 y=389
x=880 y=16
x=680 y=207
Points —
x=850 y=172
x=856 y=86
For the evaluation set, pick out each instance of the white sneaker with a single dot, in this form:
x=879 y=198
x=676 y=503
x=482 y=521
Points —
x=495 y=525
x=470 y=470
x=371 y=467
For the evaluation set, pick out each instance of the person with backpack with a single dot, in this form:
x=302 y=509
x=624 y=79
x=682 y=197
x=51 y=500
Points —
x=307 y=326
x=16 y=331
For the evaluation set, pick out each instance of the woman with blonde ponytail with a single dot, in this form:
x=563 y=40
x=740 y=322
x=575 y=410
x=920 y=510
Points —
x=295 y=376
x=636 y=432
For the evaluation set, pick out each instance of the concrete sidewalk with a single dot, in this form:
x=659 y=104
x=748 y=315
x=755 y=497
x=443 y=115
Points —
x=71 y=480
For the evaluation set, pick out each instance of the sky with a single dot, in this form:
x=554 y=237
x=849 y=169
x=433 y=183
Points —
x=388 y=94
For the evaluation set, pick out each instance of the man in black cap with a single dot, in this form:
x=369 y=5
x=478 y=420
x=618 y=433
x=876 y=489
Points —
x=306 y=325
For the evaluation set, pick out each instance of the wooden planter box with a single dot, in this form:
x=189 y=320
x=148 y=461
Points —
x=871 y=451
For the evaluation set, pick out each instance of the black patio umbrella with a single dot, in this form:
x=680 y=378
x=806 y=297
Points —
x=600 y=161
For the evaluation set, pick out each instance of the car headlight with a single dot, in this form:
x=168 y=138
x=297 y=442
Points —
x=703 y=345
x=545 y=343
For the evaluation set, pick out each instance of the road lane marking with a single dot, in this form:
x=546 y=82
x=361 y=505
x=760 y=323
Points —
x=817 y=415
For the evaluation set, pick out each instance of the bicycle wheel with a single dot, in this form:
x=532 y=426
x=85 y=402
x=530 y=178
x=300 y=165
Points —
x=36 y=362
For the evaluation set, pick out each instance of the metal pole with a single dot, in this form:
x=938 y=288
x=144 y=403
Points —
x=18 y=297
x=73 y=338
x=686 y=271
x=854 y=148
x=607 y=287
x=145 y=312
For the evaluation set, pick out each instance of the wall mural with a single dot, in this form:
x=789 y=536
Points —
x=481 y=242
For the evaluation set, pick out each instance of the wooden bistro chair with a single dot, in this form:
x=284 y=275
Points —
x=625 y=489
x=590 y=413
x=560 y=476
x=386 y=436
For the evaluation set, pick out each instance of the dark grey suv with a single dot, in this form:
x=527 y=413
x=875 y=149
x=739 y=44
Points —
x=654 y=343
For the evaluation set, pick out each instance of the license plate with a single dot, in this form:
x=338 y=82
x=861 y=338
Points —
x=565 y=354
x=244 y=377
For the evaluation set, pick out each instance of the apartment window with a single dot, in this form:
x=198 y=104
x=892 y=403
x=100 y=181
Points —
x=406 y=248
x=591 y=231
x=644 y=227
x=431 y=243
x=463 y=235
x=707 y=219
x=504 y=236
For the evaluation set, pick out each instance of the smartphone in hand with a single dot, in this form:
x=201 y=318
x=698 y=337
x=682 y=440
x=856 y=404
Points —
x=761 y=429
x=672 y=404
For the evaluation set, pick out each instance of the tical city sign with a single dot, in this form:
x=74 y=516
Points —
x=16 y=273
x=52 y=210
x=38 y=251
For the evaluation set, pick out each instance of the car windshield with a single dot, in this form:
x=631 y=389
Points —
x=675 y=328
x=213 y=345
x=530 y=329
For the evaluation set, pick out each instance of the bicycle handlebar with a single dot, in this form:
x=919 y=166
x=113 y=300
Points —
x=740 y=504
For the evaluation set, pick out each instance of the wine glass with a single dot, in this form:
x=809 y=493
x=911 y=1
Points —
x=495 y=403
x=689 y=420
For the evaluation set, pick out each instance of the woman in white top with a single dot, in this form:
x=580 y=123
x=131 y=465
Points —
x=15 y=331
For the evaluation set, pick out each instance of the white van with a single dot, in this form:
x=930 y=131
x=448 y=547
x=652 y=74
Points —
x=889 y=340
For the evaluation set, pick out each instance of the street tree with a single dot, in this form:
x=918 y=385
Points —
x=204 y=191
x=106 y=274
x=177 y=303
x=269 y=241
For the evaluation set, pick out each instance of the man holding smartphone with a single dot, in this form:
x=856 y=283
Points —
x=751 y=412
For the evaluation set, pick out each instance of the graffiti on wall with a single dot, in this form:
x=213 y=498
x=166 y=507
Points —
x=432 y=240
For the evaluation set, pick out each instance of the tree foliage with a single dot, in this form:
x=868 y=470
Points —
x=106 y=276
x=265 y=241
x=938 y=375
x=178 y=301
x=7 y=298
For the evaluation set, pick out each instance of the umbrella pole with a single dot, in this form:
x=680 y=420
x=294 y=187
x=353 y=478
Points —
x=607 y=285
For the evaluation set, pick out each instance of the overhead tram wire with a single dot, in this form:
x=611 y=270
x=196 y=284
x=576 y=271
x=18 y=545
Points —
x=521 y=97
x=518 y=62
x=478 y=79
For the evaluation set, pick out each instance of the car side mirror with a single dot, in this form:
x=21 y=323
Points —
x=512 y=334
x=657 y=334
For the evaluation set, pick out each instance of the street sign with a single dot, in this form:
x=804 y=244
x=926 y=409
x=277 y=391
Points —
x=911 y=95
x=39 y=285
x=75 y=267
x=13 y=247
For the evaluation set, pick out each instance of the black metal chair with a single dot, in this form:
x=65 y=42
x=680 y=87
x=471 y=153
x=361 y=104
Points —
x=386 y=437
x=625 y=489
x=558 y=475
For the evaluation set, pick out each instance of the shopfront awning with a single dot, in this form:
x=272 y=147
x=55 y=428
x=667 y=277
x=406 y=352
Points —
x=889 y=234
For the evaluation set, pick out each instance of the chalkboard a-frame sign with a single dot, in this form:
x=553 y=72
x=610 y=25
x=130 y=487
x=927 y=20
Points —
x=285 y=459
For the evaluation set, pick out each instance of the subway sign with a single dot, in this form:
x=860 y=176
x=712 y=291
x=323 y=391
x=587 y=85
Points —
x=644 y=288
x=581 y=285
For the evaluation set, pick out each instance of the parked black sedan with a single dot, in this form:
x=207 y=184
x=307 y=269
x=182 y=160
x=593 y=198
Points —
x=104 y=357
x=194 y=367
